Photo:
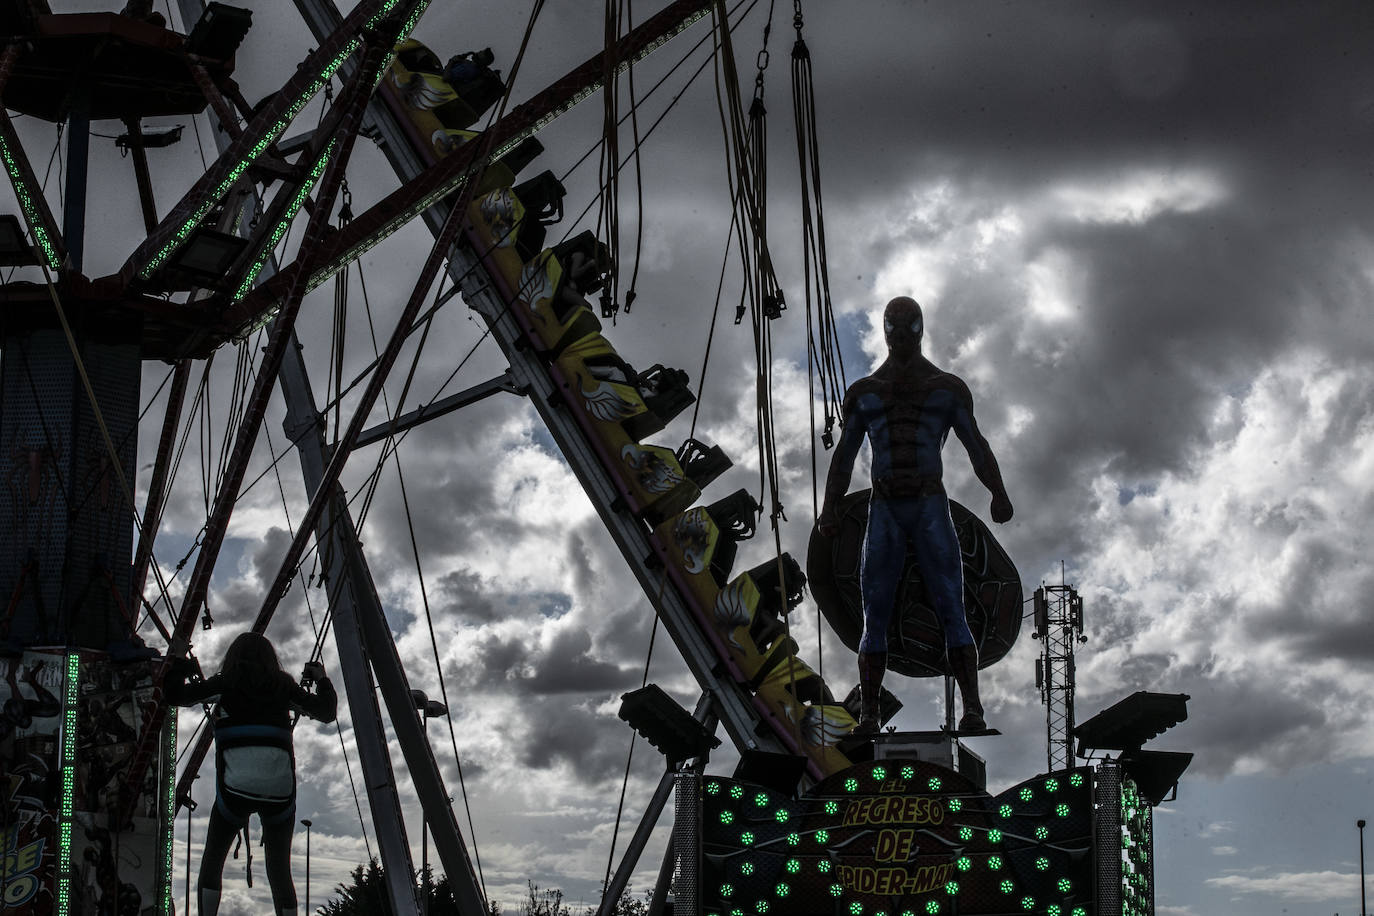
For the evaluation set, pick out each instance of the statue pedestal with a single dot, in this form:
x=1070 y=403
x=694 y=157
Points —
x=938 y=747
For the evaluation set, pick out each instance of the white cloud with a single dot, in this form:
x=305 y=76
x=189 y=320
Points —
x=1308 y=887
x=1224 y=850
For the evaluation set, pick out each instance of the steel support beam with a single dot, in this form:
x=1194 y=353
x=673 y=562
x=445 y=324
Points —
x=439 y=408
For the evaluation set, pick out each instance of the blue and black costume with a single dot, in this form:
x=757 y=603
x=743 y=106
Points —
x=907 y=409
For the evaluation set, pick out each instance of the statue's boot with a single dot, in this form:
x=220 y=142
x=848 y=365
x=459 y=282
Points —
x=208 y=900
x=872 y=665
x=963 y=664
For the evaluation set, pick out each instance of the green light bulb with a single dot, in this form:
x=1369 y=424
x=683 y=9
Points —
x=995 y=863
x=1042 y=863
x=879 y=773
x=963 y=863
x=934 y=783
x=1006 y=886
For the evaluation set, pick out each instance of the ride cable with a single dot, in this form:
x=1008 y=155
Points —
x=824 y=360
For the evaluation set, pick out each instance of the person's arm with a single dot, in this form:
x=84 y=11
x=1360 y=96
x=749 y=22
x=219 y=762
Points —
x=980 y=454
x=324 y=702
x=177 y=691
x=841 y=465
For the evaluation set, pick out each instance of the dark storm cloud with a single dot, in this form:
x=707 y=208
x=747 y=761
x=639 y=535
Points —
x=563 y=666
x=1018 y=91
x=1233 y=719
x=463 y=596
x=592 y=745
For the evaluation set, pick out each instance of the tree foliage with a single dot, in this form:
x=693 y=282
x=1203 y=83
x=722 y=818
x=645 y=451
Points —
x=367 y=896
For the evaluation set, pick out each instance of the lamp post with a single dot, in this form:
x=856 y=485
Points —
x=1360 y=825
x=429 y=709
x=306 y=822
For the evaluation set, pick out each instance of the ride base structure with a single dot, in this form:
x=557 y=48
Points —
x=813 y=821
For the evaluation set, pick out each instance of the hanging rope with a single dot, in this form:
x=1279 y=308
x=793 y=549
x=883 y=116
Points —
x=824 y=358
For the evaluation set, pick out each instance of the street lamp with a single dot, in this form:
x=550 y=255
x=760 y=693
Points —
x=1360 y=824
x=429 y=709
x=306 y=822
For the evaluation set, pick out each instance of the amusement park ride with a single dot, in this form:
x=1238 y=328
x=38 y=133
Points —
x=813 y=821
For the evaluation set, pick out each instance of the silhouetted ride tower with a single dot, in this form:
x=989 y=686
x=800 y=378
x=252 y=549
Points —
x=88 y=764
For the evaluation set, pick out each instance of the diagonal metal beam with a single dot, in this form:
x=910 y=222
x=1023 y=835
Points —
x=27 y=190
x=478 y=392
x=176 y=228
x=432 y=183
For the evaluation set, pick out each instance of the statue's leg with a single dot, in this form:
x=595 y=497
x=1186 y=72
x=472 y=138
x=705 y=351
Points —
x=942 y=568
x=879 y=573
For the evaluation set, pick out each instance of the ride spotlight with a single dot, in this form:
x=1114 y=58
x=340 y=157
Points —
x=203 y=261
x=219 y=31
x=659 y=719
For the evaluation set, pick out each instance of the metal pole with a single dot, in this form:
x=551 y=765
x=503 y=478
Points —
x=306 y=822
x=424 y=847
x=78 y=158
x=1360 y=825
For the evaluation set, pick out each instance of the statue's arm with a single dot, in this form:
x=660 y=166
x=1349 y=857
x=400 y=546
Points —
x=980 y=454
x=841 y=463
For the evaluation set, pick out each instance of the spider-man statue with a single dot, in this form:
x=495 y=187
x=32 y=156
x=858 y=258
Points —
x=907 y=409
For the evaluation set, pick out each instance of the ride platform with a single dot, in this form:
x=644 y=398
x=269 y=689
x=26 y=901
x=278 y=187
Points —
x=124 y=67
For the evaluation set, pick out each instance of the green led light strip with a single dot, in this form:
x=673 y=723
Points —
x=284 y=223
x=32 y=213
x=188 y=226
x=64 y=814
x=169 y=811
x=183 y=233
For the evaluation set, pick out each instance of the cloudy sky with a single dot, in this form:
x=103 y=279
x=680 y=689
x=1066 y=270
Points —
x=1142 y=232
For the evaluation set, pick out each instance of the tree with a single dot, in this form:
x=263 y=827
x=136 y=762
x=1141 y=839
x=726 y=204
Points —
x=367 y=896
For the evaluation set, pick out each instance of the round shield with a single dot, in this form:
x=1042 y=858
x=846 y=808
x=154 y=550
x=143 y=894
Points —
x=915 y=643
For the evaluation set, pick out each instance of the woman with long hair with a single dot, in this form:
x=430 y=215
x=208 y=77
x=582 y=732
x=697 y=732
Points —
x=255 y=763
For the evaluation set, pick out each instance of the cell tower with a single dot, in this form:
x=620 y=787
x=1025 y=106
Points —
x=1059 y=623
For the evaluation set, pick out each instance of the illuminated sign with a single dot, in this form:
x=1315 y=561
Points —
x=899 y=838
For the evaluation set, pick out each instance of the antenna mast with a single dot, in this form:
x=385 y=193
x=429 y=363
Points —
x=1059 y=623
